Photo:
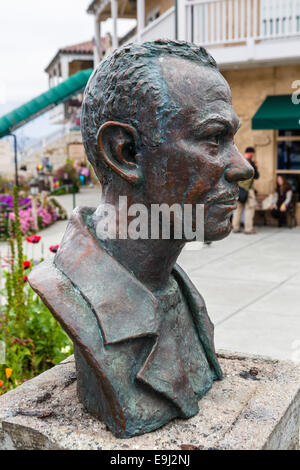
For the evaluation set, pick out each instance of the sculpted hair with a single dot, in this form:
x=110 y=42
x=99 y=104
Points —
x=123 y=85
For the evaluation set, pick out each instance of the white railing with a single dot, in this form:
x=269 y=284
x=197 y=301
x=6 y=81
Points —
x=216 y=22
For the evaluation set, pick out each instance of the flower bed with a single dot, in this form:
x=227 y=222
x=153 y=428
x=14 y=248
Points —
x=48 y=211
x=33 y=339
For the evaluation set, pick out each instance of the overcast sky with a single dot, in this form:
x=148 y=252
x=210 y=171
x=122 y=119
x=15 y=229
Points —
x=31 y=32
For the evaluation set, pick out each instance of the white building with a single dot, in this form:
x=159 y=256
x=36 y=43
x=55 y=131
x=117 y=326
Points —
x=235 y=31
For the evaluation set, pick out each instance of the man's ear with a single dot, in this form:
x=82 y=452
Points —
x=117 y=142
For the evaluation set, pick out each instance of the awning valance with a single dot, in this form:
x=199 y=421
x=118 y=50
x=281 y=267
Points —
x=277 y=112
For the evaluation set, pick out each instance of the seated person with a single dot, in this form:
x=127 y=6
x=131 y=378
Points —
x=281 y=200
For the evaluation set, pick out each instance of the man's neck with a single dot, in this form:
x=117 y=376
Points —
x=150 y=261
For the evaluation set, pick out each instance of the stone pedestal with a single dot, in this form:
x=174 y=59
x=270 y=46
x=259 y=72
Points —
x=256 y=406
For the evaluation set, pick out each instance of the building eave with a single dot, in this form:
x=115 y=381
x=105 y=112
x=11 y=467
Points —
x=65 y=51
x=91 y=8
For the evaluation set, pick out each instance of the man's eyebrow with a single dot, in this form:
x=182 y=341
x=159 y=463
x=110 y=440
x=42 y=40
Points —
x=233 y=125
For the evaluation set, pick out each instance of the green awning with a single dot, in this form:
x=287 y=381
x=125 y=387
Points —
x=277 y=112
x=42 y=103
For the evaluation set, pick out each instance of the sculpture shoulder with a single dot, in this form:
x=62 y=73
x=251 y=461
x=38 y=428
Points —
x=63 y=300
x=44 y=275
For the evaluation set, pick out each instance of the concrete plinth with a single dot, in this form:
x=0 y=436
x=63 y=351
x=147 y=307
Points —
x=256 y=406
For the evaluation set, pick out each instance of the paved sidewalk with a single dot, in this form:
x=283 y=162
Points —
x=251 y=284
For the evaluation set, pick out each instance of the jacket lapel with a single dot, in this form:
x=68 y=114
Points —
x=200 y=316
x=171 y=380
x=164 y=371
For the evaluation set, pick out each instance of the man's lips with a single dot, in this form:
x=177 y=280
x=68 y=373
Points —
x=226 y=202
x=229 y=205
x=227 y=199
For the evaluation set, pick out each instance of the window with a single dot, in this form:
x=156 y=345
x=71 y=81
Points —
x=285 y=133
x=288 y=157
x=288 y=150
x=153 y=15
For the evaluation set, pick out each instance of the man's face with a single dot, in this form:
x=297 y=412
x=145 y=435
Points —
x=191 y=166
x=249 y=155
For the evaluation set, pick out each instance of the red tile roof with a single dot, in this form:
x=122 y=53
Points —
x=81 y=48
x=86 y=47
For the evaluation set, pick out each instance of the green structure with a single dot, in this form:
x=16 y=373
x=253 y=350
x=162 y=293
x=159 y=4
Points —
x=42 y=103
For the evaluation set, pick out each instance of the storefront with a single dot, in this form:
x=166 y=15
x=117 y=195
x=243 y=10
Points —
x=262 y=99
x=280 y=114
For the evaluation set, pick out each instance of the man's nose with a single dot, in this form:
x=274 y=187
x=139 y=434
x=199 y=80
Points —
x=239 y=169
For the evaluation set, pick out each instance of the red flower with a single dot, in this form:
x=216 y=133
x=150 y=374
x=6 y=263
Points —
x=1 y=383
x=25 y=279
x=53 y=248
x=26 y=264
x=17 y=340
x=28 y=341
x=33 y=238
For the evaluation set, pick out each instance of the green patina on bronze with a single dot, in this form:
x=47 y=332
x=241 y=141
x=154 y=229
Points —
x=158 y=127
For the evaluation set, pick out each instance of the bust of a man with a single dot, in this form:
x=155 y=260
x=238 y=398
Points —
x=158 y=128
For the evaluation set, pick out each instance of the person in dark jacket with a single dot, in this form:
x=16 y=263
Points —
x=281 y=200
x=247 y=200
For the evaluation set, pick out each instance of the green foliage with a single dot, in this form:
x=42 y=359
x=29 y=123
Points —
x=66 y=173
x=34 y=340
x=63 y=215
x=65 y=189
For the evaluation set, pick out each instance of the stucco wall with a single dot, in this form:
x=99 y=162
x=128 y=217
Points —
x=164 y=5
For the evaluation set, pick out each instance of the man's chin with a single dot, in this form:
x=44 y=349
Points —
x=214 y=232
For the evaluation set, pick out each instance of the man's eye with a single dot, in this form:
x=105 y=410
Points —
x=214 y=139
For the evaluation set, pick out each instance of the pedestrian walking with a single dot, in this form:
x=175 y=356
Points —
x=247 y=199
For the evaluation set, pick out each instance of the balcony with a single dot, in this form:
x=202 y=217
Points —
x=221 y=22
x=236 y=32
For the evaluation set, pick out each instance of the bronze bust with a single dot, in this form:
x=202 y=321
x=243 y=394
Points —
x=158 y=127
